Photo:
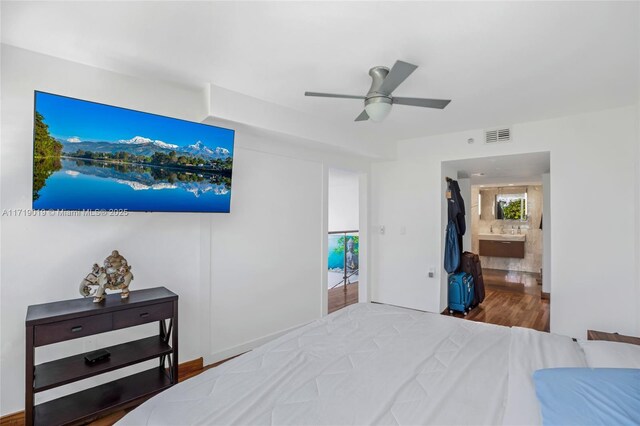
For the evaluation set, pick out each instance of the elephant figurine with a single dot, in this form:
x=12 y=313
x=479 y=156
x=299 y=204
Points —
x=114 y=275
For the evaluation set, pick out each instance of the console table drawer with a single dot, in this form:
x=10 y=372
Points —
x=143 y=315
x=71 y=329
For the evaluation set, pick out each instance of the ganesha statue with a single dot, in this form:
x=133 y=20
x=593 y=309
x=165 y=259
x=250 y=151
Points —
x=115 y=274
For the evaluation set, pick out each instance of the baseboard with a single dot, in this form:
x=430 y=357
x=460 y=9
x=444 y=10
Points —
x=545 y=296
x=190 y=368
x=186 y=370
x=15 y=419
x=246 y=347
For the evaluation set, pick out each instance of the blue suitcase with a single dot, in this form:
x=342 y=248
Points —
x=461 y=292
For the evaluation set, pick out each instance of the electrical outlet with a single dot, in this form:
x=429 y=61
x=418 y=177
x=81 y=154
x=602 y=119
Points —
x=382 y=229
x=432 y=272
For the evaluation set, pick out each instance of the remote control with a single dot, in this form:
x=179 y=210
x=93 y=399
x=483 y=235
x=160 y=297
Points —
x=95 y=356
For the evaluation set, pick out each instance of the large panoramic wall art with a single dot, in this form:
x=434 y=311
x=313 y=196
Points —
x=91 y=156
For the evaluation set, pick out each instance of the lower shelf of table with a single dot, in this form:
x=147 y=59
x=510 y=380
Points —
x=66 y=370
x=85 y=405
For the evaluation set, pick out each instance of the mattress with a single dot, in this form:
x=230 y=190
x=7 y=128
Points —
x=372 y=364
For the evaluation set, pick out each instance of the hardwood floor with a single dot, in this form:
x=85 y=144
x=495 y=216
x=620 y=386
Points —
x=520 y=282
x=511 y=299
x=338 y=299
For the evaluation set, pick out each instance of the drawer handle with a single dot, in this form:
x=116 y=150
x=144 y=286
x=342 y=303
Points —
x=76 y=329
x=506 y=242
x=144 y=314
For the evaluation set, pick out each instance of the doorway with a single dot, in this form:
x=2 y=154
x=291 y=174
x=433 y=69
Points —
x=343 y=239
x=508 y=218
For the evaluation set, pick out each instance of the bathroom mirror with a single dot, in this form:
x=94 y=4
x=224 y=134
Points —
x=509 y=204
x=511 y=207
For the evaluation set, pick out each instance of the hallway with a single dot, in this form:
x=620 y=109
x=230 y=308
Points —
x=338 y=299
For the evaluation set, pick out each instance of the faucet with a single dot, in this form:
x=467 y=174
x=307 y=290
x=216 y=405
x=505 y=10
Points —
x=513 y=230
x=491 y=228
x=502 y=229
x=519 y=230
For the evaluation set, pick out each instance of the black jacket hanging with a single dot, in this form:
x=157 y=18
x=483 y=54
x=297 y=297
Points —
x=456 y=207
x=455 y=213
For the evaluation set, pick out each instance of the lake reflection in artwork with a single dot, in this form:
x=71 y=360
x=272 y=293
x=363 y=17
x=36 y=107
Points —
x=94 y=184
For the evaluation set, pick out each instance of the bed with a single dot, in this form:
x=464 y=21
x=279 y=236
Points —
x=372 y=364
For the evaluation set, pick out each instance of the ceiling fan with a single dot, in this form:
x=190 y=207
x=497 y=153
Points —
x=378 y=101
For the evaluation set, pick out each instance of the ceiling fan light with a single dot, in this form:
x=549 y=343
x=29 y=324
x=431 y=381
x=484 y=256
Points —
x=378 y=108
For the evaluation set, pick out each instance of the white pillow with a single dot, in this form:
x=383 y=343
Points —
x=603 y=354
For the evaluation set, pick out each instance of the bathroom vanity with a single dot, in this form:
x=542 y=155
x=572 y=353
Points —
x=502 y=245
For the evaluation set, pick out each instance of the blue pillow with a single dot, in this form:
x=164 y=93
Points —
x=589 y=396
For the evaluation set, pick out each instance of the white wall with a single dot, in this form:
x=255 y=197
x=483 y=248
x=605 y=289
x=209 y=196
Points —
x=344 y=200
x=44 y=258
x=241 y=277
x=265 y=256
x=637 y=259
x=592 y=155
x=637 y=197
x=398 y=200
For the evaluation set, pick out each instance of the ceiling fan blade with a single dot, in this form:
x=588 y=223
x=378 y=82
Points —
x=363 y=116
x=399 y=72
x=332 y=95
x=422 y=102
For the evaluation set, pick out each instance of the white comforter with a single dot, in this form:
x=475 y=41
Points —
x=372 y=364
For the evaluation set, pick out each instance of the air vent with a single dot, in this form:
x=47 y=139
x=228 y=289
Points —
x=497 y=135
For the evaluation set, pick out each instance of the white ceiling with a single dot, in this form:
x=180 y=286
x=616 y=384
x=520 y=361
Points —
x=500 y=62
x=504 y=169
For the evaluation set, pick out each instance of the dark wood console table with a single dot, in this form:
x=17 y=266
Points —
x=59 y=321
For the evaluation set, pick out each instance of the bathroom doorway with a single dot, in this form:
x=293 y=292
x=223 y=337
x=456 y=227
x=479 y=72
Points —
x=507 y=208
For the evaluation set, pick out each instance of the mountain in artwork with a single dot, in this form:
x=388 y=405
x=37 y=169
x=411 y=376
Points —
x=140 y=145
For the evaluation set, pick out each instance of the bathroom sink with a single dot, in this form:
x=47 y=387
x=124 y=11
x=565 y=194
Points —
x=501 y=237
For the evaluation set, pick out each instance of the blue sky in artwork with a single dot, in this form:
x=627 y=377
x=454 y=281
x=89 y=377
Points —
x=69 y=118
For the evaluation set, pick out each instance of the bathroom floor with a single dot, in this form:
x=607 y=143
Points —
x=511 y=299
x=521 y=282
